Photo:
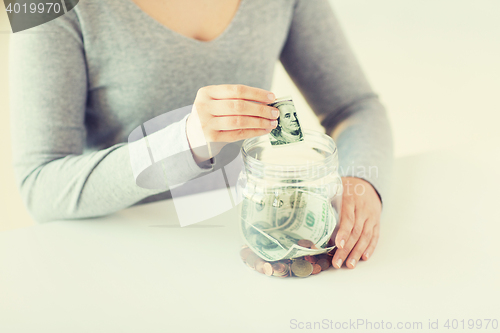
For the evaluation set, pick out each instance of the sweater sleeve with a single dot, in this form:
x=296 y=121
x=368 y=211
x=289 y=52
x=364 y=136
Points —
x=319 y=60
x=58 y=178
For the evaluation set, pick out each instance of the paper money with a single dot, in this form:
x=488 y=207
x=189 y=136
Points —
x=288 y=129
x=274 y=226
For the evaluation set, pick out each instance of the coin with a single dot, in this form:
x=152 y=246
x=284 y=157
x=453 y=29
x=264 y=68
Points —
x=244 y=253
x=259 y=266
x=252 y=260
x=322 y=256
x=323 y=263
x=316 y=269
x=311 y=259
x=279 y=269
x=289 y=267
x=305 y=243
x=268 y=269
x=302 y=268
x=288 y=270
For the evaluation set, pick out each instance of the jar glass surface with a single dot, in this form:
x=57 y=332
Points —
x=291 y=196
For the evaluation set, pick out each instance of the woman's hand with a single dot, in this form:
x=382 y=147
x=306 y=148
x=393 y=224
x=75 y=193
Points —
x=359 y=223
x=228 y=113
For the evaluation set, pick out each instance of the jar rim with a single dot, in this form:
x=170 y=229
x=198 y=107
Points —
x=327 y=142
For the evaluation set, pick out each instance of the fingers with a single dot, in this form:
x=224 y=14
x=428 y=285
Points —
x=373 y=243
x=232 y=123
x=236 y=135
x=347 y=220
x=360 y=246
x=244 y=108
x=237 y=91
x=342 y=253
x=359 y=226
x=363 y=249
x=232 y=112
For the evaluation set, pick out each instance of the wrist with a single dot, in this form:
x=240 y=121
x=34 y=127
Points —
x=360 y=186
x=196 y=139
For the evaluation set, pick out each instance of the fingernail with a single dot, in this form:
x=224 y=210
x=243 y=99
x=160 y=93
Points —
x=353 y=262
x=271 y=97
x=274 y=123
x=342 y=243
x=339 y=263
x=275 y=113
x=367 y=255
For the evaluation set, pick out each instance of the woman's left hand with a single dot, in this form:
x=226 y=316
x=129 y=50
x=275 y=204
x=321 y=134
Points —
x=359 y=223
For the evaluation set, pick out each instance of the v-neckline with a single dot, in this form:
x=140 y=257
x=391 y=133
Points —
x=219 y=37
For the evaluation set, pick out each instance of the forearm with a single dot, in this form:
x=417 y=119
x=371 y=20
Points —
x=83 y=186
x=105 y=181
x=365 y=144
x=319 y=60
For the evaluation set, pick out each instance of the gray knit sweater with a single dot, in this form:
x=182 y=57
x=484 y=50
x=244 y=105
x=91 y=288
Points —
x=82 y=83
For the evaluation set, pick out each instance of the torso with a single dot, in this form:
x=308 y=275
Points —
x=140 y=66
x=203 y=20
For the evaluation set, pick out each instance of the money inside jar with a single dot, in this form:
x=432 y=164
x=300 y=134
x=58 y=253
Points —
x=287 y=225
x=300 y=267
x=290 y=199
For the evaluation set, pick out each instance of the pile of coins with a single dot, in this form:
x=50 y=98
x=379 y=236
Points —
x=300 y=267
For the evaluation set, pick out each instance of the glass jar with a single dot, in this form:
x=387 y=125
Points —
x=290 y=195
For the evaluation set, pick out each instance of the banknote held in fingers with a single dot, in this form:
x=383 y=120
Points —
x=288 y=129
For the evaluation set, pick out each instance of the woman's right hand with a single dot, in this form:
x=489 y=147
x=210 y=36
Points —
x=228 y=113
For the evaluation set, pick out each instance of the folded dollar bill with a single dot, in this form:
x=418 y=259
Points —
x=272 y=226
x=288 y=129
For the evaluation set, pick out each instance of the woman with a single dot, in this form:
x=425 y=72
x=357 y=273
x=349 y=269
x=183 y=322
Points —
x=80 y=84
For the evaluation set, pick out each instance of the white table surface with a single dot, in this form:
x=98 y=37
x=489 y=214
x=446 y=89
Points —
x=139 y=271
